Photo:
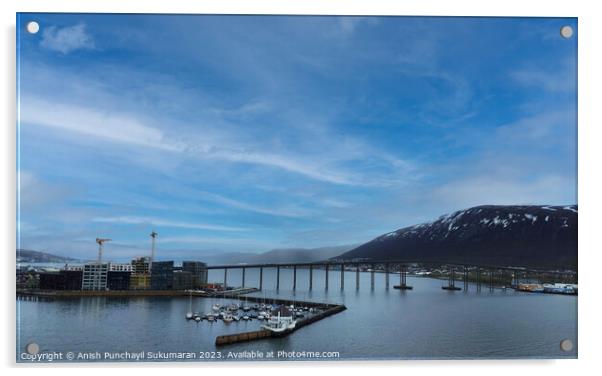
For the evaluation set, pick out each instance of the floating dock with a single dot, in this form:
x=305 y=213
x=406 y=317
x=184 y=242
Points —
x=403 y=287
x=451 y=288
x=261 y=334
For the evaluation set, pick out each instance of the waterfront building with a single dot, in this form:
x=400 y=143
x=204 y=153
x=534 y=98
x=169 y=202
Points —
x=198 y=270
x=118 y=280
x=140 y=281
x=95 y=276
x=114 y=267
x=73 y=279
x=61 y=280
x=140 y=265
x=52 y=281
x=162 y=277
x=183 y=280
x=73 y=267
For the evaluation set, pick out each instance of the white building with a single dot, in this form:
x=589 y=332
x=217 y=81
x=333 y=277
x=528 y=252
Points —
x=121 y=267
x=95 y=276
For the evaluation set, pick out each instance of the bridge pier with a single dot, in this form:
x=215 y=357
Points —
x=451 y=283
x=491 y=280
x=357 y=276
x=326 y=276
x=372 y=277
x=478 y=279
x=261 y=278
x=277 y=278
x=465 y=279
x=403 y=278
x=387 y=276
x=311 y=276
x=243 y=276
x=342 y=276
x=294 y=277
x=225 y=278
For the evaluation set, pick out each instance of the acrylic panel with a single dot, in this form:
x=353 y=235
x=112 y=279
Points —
x=200 y=188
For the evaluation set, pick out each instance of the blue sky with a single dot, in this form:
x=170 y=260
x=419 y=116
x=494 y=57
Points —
x=244 y=134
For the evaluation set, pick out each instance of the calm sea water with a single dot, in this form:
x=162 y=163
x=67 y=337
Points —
x=426 y=322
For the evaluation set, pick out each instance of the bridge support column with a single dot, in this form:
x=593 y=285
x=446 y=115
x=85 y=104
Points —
x=387 y=276
x=326 y=280
x=261 y=278
x=294 y=277
x=403 y=278
x=243 y=276
x=491 y=280
x=451 y=283
x=478 y=279
x=225 y=278
x=277 y=278
x=372 y=277
x=465 y=279
x=342 y=276
x=357 y=276
x=311 y=277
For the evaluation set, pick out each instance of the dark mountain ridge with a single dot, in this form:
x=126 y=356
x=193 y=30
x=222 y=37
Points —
x=513 y=235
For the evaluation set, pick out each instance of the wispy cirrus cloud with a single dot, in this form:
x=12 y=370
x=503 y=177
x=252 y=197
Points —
x=89 y=121
x=66 y=39
x=135 y=220
x=112 y=126
x=294 y=212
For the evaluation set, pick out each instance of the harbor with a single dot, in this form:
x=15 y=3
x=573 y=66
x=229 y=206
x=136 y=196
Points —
x=405 y=322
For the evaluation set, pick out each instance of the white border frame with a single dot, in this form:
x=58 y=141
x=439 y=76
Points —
x=589 y=189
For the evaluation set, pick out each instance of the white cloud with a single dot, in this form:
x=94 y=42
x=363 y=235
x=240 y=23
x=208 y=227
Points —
x=284 y=212
x=557 y=81
x=66 y=39
x=110 y=126
x=97 y=110
x=349 y=24
x=499 y=190
x=134 y=220
x=214 y=240
x=549 y=128
x=92 y=122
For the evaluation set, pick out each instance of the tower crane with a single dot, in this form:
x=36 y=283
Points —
x=153 y=236
x=100 y=242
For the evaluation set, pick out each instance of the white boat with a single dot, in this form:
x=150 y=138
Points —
x=197 y=318
x=188 y=315
x=281 y=320
x=233 y=307
x=227 y=318
x=246 y=317
x=216 y=307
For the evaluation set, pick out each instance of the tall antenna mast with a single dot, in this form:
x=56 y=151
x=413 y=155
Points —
x=100 y=242
x=153 y=237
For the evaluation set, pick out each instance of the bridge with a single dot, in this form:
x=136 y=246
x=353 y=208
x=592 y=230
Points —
x=480 y=274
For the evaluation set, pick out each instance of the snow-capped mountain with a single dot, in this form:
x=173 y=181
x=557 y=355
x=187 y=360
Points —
x=534 y=236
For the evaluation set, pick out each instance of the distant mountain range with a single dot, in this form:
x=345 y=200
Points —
x=29 y=256
x=530 y=236
x=513 y=235
x=284 y=255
